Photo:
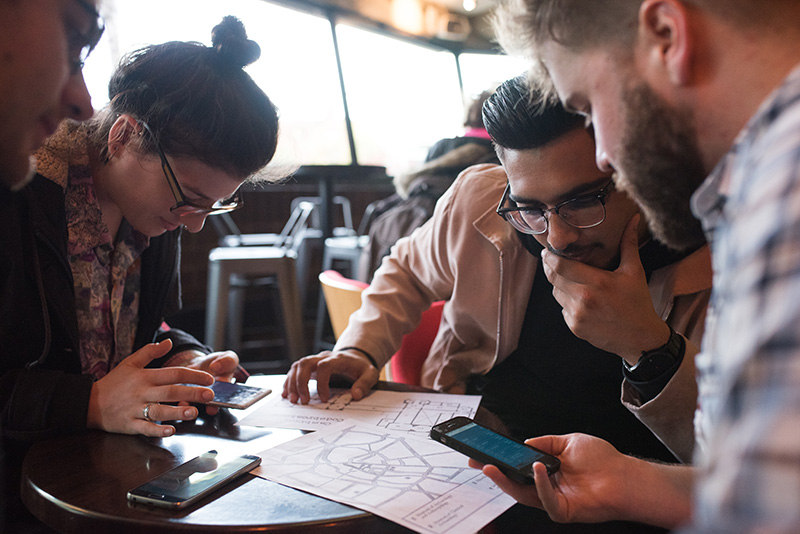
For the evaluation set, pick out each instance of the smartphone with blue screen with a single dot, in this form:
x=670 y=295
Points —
x=512 y=457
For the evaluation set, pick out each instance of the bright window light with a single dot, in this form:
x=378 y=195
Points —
x=297 y=67
x=402 y=97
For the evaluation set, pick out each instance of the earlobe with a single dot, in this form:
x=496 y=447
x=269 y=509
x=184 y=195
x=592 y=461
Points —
x=664 y=29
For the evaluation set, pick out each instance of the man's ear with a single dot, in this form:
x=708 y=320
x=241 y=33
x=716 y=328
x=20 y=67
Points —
x=121 y=132
x=665 y=38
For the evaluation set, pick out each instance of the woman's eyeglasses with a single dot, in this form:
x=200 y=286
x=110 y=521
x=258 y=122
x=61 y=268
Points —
x=585 y=211
x=183 y=206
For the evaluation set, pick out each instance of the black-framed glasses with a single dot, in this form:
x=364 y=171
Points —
x=183 y=206
x=82 y=44
x=584 y=211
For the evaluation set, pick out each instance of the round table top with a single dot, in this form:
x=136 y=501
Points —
x=79 y=483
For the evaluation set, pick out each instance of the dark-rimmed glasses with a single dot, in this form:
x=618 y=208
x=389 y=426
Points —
x=183 y=206
x=82 y=44
x=584 y=211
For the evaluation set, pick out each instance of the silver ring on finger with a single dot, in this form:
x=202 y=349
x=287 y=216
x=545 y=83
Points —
x=146 y=412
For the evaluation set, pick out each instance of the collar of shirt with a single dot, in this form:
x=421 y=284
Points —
x=709 y=200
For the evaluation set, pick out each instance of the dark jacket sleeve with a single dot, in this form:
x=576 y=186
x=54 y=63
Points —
x=182 y=341
x=42 y=390
x=42 y=403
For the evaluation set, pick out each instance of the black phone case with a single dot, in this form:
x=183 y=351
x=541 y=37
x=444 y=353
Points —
x=523 y=477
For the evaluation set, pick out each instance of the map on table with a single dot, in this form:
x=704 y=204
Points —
x=416 y=482
x=400 y=411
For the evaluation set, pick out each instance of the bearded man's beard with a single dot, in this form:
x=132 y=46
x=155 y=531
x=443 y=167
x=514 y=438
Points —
x=661 y=167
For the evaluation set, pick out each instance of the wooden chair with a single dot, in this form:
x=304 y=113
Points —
x=343 y=297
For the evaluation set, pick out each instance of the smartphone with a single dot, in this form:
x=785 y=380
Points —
x=512 y=457
x=190 y=481
x=239 y=396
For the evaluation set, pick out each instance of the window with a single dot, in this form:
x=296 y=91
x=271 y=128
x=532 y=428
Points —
x=485 y=71
x=303 y=84
x=402 y=97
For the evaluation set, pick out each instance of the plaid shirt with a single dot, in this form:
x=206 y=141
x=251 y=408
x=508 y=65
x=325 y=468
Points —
x=748 y=424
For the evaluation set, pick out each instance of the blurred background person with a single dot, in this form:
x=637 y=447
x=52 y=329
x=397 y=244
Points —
x=417 y=191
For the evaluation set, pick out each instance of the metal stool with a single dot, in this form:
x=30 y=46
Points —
x=233 y=270
x=227 y=263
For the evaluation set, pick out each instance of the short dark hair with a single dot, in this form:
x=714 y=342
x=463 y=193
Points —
x=197 y=100
x=517 y=119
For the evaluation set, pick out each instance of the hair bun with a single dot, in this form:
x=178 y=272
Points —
x=230 y=41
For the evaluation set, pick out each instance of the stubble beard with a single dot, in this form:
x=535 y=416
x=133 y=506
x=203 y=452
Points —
x=661 y=167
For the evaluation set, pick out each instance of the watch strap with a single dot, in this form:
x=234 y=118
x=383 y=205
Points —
x=658 y=361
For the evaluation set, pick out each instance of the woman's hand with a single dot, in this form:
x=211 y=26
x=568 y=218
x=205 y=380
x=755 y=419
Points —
x=221 y=365
x=119 y=399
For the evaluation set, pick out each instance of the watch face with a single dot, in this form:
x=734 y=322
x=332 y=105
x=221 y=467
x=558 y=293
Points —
x=656 y=362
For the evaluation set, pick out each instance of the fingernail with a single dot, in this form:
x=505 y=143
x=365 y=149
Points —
x=189 y=413
x=357 y=394
x=168 y=431
x=208 y=395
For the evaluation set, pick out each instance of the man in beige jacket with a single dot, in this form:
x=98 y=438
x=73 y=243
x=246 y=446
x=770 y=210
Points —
x=539 y=304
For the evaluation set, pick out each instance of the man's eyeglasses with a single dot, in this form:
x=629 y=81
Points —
x=585 y=211
x=81 y=44
x=183 y=206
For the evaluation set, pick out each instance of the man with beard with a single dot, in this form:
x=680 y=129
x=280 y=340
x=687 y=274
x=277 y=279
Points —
x=540 y=339
x=677 y=90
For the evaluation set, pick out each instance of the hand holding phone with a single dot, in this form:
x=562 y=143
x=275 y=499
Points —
x=512 y=457
x=187 y=483
x=230 y=395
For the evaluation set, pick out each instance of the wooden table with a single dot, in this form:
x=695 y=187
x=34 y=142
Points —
x=80 y=483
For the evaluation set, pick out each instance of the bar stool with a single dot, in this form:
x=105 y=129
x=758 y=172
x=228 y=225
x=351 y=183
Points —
x=233 y=269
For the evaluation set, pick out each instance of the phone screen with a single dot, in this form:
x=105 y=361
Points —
x=237 y=395
x=496 y=445
x=192 y=479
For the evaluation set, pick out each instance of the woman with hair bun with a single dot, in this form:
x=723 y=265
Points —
x=185 y=127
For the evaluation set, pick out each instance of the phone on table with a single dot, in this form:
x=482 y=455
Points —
x=190 y=481
x=512 y=457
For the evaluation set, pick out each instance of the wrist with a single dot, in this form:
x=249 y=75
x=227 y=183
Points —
x=663 y=496
x=94 y=411
x=363 y=353
x=656 y=362
x=183 y=358
x=658 y=337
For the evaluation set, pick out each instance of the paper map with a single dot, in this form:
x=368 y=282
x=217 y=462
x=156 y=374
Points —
x=404 y=412
x=416 y=482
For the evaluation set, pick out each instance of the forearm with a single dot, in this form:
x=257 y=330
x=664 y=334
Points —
x=661 y=495
x=670 y=414
x=391 y=307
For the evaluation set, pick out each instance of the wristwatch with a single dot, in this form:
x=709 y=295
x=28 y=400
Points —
x=654 y=363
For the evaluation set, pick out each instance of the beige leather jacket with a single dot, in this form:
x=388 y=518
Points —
x=467 y=255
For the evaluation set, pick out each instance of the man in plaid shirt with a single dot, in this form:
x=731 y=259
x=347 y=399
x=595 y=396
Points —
x=678 y=90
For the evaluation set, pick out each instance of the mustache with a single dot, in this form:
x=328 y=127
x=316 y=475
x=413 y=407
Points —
x=573 y=251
